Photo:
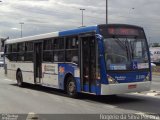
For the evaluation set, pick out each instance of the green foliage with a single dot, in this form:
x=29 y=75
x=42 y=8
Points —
x=156 y=45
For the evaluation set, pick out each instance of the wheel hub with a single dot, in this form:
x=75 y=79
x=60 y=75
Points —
x=71 y=87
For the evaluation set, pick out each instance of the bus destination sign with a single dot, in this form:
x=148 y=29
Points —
x=124 y=31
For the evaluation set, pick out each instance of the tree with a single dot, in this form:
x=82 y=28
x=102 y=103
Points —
x=156 y=45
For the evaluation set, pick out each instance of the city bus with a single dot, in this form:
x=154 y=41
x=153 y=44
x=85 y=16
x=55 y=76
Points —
x=100 y=60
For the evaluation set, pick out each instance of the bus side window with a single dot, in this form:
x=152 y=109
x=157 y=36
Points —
x=58 y=50
x=72 y=49
x=5 y=49
x=8 y=51
x=21 y=50
x=47 y=50
x=14 y=52
x=29 y=51
x=21 y=47
x=14 y=48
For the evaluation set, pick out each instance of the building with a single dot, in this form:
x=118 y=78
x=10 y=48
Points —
x=155 y=54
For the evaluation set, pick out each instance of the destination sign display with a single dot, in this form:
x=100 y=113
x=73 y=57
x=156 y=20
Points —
x=124 y=31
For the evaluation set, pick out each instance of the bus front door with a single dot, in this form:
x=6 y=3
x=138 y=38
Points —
x=37 y=62
x=88 y=64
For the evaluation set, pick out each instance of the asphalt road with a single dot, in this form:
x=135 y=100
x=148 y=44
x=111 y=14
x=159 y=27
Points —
x=41 y=100
x=156 y=83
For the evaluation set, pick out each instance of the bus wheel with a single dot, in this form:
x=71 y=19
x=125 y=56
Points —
x=19 y=79
x=71 y=88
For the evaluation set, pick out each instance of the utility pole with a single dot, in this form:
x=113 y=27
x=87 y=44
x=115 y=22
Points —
x=106 y=11
x=21 y=23
x=82 y=16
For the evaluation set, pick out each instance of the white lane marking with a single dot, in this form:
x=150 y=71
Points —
x=152 y=94
x=148 y=116
x=32 y=116
x=155 y=95
x=9 y=80
x=110 y=106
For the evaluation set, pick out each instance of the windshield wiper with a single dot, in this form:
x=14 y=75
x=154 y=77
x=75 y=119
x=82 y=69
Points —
x=120 y=43
x=124 y=45
x=128 y=49
x=132 y=49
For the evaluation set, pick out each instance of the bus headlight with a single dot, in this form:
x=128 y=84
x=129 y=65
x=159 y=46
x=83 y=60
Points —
x=111 y=80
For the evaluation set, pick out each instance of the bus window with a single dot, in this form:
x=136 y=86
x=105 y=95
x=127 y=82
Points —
x=58 y=43
x=72 y=43
x=58 y=56
x=29 y=51
x=47 y=45
x=72 y=56
x=21 y=47
x=29 y=46
x=47 y=56
x=21 y=50
x=58 y=50
x=72 y=49
x=13 y=54
x=9 y=48
x=47 y=50
x=14 y=48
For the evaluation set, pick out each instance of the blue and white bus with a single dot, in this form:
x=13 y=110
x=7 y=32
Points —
x=101 y=60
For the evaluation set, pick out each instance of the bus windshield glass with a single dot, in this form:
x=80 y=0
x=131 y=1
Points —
x=122 y=52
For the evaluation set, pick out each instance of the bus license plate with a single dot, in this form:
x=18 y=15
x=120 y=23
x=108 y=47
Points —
x=132 y=86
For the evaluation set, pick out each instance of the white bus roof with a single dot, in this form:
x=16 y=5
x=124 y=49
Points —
x=52 y=34
x=30 y=38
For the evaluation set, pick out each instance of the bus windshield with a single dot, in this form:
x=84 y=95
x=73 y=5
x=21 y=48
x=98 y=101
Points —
x=121 y=53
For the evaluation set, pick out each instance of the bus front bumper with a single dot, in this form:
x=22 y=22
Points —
x=113 y=89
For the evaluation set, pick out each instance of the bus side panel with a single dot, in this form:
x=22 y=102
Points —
x=63 y=70
x=11 y=72
x=50 y=75
x=27 y=72
x=26 y=69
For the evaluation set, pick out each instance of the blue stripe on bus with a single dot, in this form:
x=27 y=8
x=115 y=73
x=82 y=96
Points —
x=78 y=84
x=129 y=77
x=78 y=31
x=93 y=89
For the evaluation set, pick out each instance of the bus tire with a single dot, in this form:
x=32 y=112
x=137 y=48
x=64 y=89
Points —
x=19 y=79
x=71 y=87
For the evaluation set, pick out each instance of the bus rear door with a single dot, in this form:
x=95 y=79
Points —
x=37 y=62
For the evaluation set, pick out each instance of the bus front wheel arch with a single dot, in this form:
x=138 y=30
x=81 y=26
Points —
x=70 y=86
x=19 y=78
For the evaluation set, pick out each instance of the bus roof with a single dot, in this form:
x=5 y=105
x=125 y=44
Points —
x=62 y=33
x=53 y=34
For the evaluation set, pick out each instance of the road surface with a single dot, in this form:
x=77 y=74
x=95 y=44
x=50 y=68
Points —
x=41 y=100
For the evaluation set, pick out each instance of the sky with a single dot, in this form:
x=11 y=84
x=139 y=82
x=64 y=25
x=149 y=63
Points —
x=43 y=16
